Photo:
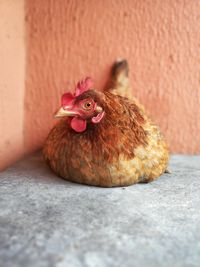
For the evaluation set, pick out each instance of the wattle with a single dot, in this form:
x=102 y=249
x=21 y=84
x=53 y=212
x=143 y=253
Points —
x=79 y=125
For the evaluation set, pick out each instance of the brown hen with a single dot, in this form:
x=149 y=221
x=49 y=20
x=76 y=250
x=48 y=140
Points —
x=105 y=139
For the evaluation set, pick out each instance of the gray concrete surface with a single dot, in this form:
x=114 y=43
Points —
x=46 y=221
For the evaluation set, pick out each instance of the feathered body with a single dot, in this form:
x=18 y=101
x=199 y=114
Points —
x=124 y=148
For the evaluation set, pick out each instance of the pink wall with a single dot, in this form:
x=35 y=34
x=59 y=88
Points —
x=67 y=40
x=70 y=39
x=12 y=77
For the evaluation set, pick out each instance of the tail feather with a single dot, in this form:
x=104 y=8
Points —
x=119 y=81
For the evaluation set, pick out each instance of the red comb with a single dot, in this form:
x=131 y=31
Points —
x=67 y=99
x=81 y=87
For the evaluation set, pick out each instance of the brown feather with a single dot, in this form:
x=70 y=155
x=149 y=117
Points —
x=113 y=152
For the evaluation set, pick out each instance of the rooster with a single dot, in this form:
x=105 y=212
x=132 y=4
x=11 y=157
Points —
x=105 y=138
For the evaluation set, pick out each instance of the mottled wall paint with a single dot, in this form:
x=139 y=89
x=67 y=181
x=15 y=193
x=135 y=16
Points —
x=12 y=80
x=67 y=40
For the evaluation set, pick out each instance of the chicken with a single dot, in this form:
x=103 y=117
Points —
x=105 y=139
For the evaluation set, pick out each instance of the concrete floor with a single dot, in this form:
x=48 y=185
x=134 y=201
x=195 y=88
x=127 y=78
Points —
x=46 y=221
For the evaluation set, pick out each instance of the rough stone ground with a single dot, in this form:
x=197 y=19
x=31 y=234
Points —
x=46 y=221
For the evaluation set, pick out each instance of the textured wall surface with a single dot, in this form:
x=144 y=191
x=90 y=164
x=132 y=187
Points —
x=12 y=76
x=68 y=40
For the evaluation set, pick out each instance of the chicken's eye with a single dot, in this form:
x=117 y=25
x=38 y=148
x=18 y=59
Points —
x=87 y=105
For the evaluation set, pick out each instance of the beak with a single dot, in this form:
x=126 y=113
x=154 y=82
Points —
x=64 y=112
